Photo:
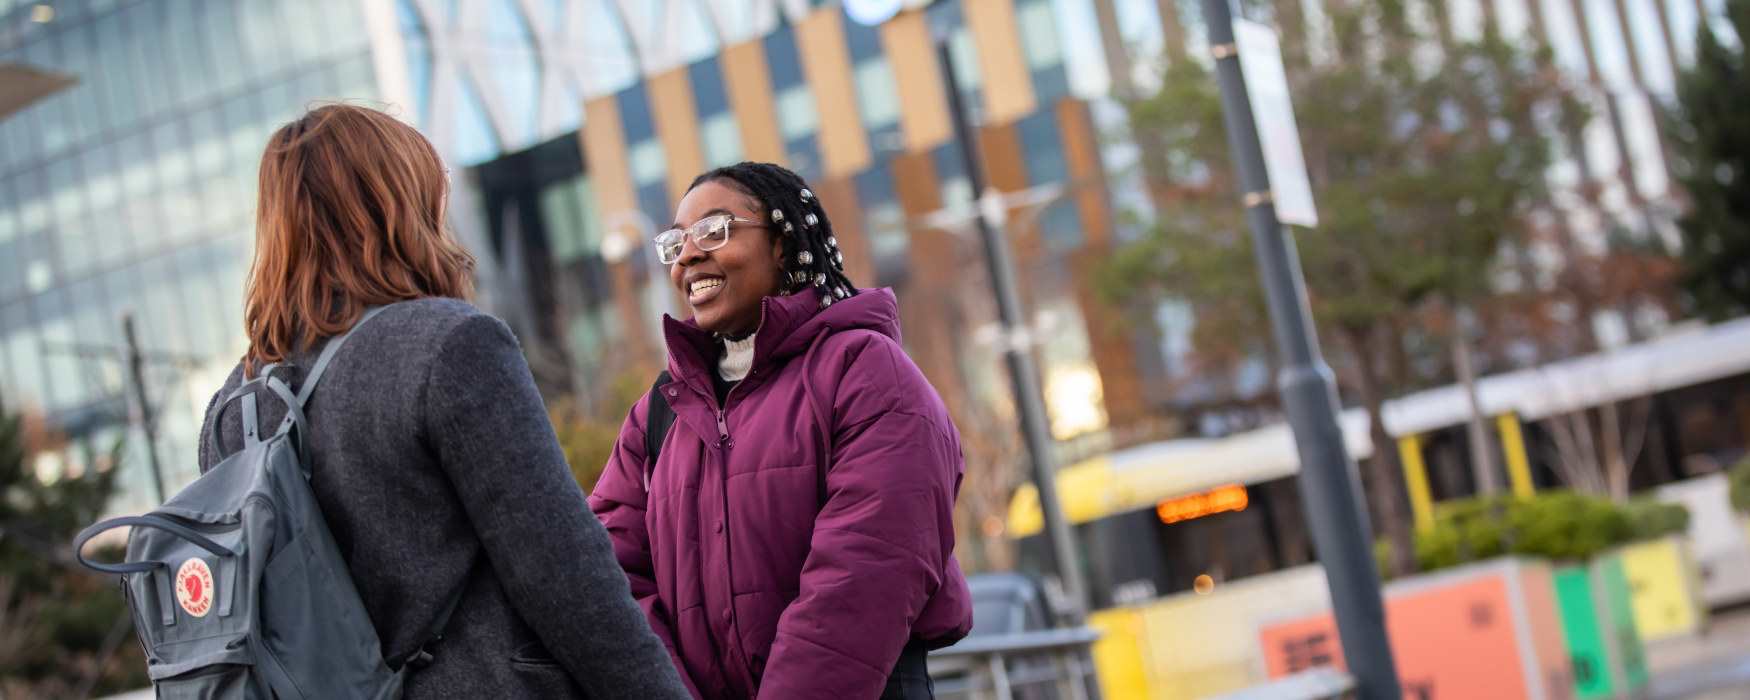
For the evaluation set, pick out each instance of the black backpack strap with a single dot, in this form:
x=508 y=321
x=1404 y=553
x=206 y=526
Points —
x=421 y=657
x=657 y=421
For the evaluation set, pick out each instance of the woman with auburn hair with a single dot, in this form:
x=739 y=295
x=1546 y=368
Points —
x=429 y=450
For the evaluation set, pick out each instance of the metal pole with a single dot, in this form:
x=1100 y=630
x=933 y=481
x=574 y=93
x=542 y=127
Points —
x=1022 y=374
x=1336 y=512
x=136 y=370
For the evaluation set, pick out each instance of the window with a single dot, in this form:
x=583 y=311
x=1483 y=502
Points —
x=612 y=65
x=8 y=213
x=1039 y=34
x=1514 y=19
x=515 y=70
x=474 y=138
x=82 y=98
x=562 y=217
x=1641 y=131
x=877 y=95
x=1466 y=18
x=1564 y=36
x=797 y=117
x=24 y=357
x=1089 y=75
x=722 y=139
x=144 y=61
x=1643 y=16
x=647 y=161
x=419 y=61
x=1684 y=24
x=53 y=130
x=227 y=62
x=1608 y=46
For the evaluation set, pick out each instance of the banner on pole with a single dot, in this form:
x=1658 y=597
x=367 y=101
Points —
x=1267 y=86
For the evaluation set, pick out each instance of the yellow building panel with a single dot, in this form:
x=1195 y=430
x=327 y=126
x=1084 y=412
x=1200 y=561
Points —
x=918 y=76
x=748 y=81
x=826 y=64
x=1008 y=85
x=677 y=126
x=604 y=155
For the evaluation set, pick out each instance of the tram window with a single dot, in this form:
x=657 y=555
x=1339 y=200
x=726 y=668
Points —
x=1133 y=557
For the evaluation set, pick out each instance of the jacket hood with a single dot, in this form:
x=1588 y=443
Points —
x=789 y=325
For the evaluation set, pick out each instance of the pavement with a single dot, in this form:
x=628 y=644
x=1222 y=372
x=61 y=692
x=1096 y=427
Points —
x=1712 y=666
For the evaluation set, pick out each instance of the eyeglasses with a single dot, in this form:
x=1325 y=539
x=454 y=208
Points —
x=709 y=233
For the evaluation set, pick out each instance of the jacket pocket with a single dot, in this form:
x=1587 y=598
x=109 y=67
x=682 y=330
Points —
x=539 y=675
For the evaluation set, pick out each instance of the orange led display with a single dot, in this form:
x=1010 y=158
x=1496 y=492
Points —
x=1221 y=499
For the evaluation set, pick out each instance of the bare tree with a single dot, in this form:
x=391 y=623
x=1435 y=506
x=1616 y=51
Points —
x=1596 y=443
x=1595 y=449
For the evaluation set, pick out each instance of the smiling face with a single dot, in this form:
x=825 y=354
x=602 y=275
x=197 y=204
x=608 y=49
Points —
x=725 y=286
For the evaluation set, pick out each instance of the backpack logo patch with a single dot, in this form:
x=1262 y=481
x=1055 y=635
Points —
x=194 y=587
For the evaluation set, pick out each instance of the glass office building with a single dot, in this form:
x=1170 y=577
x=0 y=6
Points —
x=132 y=190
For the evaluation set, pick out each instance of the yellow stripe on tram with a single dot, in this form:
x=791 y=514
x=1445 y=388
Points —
x=1416 y=481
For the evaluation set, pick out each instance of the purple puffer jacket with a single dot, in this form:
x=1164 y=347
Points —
x=759 y=587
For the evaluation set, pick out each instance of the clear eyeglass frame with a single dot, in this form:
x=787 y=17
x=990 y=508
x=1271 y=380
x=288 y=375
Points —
x=707 y=234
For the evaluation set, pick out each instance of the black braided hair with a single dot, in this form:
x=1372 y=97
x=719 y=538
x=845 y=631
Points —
x=811 y=253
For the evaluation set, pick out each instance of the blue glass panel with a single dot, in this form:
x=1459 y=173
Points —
x=475 y=140
x=653 y=201
x=635 y=113
x=505 y=25
x=568 y=114
x=782 y=57
x=804 y=156
x=875 y=185
x=514 y=67
x=1041 y=148
x=709 y=95
x=949 y=165
x=864 y=42
x=1050 y=84
x=223 y=34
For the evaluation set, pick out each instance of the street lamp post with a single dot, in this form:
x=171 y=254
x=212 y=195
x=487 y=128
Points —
x=1336 y=512
x=988 y=219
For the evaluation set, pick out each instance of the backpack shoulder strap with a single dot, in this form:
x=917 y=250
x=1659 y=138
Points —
x=658 y=418
x=328 y=351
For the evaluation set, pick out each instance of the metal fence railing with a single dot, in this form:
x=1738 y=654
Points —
x=1053 y=664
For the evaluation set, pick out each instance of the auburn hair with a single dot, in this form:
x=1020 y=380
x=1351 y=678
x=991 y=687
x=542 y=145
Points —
x=350 y=214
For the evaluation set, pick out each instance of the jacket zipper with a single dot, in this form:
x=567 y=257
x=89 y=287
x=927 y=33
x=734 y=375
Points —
x=723 y=439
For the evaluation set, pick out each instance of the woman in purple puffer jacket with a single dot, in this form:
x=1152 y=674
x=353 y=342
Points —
x=794 y=538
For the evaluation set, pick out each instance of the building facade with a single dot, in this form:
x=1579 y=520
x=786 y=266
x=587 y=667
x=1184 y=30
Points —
x=132 y=189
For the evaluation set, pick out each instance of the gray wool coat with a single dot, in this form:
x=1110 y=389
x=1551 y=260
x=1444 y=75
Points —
x=438 y=471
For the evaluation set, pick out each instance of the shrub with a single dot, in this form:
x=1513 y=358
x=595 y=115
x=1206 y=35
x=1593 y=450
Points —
x=1555 y=525
x=1652 y=519
x=1740 y=480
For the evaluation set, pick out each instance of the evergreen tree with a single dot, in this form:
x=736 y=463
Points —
x=1713 y=139
x=63 y=629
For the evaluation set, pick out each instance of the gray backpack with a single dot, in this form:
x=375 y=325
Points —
x=236 y=585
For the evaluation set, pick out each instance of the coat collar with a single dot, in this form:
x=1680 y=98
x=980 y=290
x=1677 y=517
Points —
x=788 y=326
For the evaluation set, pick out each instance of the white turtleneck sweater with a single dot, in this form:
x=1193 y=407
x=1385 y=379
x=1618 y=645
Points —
x=737 y=359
